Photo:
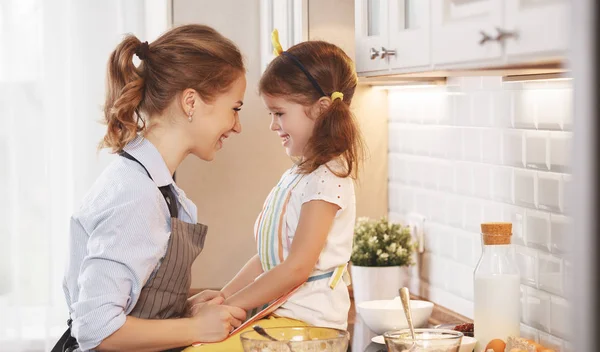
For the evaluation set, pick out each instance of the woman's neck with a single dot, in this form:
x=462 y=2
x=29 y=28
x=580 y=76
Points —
x=170 y=143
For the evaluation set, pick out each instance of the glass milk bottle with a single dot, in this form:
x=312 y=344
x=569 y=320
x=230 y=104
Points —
x=497 y=294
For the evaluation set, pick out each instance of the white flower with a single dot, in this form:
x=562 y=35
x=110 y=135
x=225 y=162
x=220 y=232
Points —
x=373 y=240
x=386 y=237
x=362 y=220
x=383 y=255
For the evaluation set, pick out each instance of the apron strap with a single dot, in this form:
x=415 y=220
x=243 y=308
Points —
x=340 y=274
x=66 y=343
x=166 y=191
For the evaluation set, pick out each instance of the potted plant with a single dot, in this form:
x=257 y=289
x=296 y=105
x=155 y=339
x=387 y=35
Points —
x=381 y=253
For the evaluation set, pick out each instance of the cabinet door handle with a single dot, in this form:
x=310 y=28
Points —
x=373 y=53
x=485 y=38
x=504 y=34
x=385 y=52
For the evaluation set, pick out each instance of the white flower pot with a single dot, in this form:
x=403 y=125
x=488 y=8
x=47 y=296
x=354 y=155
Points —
x=376 y=283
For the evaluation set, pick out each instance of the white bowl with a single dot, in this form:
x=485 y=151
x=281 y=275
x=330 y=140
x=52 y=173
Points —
x=467 y=344
x=387 y=315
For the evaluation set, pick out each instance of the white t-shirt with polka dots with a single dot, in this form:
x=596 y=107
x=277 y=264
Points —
x=316 y=303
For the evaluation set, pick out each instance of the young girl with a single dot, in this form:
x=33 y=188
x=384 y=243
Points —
x=304 y=232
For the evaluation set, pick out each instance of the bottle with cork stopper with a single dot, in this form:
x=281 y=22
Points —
x=497 y=302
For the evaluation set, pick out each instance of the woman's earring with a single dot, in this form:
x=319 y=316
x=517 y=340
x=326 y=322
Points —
x=190 y=116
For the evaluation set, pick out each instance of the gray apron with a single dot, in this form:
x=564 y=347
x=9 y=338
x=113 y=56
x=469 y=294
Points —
x=165 y=294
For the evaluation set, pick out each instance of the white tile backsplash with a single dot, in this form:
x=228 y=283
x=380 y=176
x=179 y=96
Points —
x=550 y=273
x=464 y=247
x=550 y=191
x=446 y=176
x=527 y=261
x=550 y=341
x=397 y=165
x=473 y=210
x=472 y=145
x=524 y=192
x=492 y=212
x=437 y=207
x=537 y=230
x=491 y=146
x=427 y=172
x=512 y=145
x=502 y=109
x=463 y=110
x=464 y=178
x=502 y=184
x=530 y=333
x=554 y=110
x=560 y=318
x=536 y=147
x=524 y=109
x=537 y=309
x=482 y=180
x=482 y=113
x=560 y=149
x=567 y=192
x=560 y=233
x=396 y=138
x=489 y=151
x=516 y=216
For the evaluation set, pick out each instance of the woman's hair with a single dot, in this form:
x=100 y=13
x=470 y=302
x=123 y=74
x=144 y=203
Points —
x=190 y=56
x=336 y=133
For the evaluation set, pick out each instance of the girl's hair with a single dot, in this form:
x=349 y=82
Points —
x=336 y=133
x=190 y=56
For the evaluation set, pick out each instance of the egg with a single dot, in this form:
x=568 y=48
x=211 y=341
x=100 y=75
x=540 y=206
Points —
x=497 y=345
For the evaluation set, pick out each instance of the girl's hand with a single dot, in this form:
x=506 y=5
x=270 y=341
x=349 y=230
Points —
x=205 y=297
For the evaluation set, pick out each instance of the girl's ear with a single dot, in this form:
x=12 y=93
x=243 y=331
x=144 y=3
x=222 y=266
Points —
x=320 y=107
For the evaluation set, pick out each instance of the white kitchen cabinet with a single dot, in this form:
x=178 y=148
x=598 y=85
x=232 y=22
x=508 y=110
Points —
x=465 y=31
x=391 y=34
x=409 y=34
x=541 y=28
x=371 y=22
x=289 y=17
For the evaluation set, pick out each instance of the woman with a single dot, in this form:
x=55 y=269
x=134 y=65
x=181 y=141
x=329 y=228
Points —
x=135 y=237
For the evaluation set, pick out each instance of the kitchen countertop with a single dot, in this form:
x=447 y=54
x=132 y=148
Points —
x=360 y=335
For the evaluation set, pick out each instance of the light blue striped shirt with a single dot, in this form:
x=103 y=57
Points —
x=117 y=240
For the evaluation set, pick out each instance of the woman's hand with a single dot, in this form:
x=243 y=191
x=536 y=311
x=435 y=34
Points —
x=212 y=321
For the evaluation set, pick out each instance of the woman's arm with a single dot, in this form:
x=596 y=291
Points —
x=125 y=244
x=244 y=277
x=316 y=218
x=211 y=323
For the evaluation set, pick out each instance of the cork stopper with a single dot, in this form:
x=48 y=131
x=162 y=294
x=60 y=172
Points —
x=496 y=233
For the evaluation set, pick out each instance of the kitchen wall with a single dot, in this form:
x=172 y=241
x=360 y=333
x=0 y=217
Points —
x=333 y=21
x=230 y=191
x=478 y=150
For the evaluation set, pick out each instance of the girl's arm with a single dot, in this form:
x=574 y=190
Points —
x=244 y=277
x=316 y=218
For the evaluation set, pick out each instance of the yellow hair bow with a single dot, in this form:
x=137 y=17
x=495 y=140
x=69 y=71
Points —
x=277 y=49
x=337 y=95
